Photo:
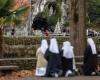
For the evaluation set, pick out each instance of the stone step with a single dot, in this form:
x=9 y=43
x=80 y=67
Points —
x=31 y=62
x=34 y=58
x=80 y=59
x=13 y=59
x=10 y=67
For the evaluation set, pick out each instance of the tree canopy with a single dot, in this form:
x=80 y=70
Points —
x=9 y=14
x=93 y=10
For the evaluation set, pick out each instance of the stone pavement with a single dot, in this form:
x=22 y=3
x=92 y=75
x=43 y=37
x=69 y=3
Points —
x=64 y=78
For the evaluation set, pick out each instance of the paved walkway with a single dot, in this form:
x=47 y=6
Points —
x=68 y=78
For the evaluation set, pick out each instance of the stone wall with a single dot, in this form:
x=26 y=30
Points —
x=23 y=47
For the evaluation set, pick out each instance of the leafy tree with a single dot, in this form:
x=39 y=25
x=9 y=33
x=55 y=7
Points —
x=93 y=10
x=52 y=19
x=9 y=15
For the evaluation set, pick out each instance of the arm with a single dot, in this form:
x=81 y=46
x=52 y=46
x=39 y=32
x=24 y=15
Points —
x=46 y=55
x=37 y=52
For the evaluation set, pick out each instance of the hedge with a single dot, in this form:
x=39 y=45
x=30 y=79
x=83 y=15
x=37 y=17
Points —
x=27 y=46
x=19 y=47
x=24 y=46
x=29 y=40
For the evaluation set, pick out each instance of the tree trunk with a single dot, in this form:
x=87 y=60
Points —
x=77 y=25
x=1 y=43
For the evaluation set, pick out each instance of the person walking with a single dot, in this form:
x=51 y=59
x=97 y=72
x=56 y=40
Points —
x=41 y=61
x=68 y=61
x=54 y=67
x=90 y=58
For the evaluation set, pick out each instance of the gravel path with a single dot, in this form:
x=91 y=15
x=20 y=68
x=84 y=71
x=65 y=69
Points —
x=70 y=78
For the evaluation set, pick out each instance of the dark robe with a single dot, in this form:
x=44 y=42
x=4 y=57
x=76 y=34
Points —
x=54 y=63
x=90 y=61
x=67 y=63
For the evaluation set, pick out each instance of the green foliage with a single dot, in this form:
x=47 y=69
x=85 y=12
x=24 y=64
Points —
x=29 y=40
x=45 y=13
x=20 y=11
x=52 y=19
x=29 y=50
x=30 y=45
x=2 y=3
x=93 y=8
x=58 y=8
x=66 y=24
x=7 y=5
x=10 y=16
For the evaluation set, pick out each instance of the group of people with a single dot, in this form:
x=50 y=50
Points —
x=53 y=61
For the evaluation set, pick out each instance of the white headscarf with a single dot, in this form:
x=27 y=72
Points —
x=67 y=50
x=44 y=46
x=92 y=45
x=54 y=46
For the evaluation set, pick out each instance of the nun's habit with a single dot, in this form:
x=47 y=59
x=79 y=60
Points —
x=41 y=61
x=54 y=68
x=68 y=59
x=90 y=58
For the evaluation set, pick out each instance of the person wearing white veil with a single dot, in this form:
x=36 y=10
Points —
x=90 y=58
x=68 y=61
x=41 y=61
x=53 y=57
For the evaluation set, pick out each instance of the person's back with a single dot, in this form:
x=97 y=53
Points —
x=90 y=58
x=41 y=61
x=54 y=62
x=67 y=59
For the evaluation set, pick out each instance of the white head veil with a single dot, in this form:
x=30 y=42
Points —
x=54 y=46
x=67 y=50
x=44 y=46
x=92 y=45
